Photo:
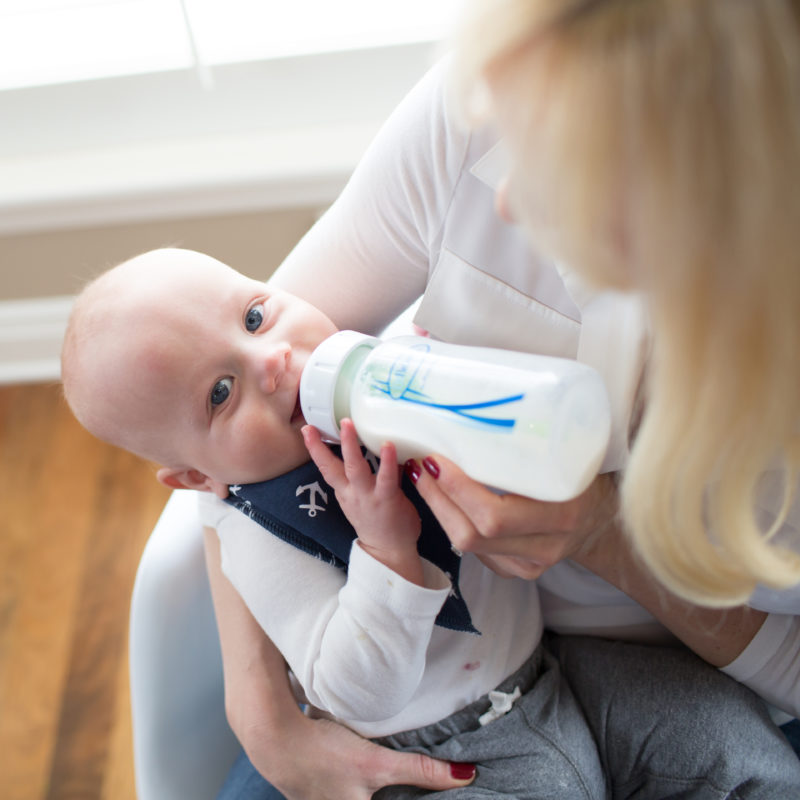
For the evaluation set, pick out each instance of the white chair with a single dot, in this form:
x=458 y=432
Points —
x=183 y=746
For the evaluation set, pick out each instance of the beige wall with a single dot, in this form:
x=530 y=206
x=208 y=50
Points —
x=53 y=263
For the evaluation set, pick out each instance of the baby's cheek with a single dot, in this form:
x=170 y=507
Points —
x=249 y=452
x=281 y=454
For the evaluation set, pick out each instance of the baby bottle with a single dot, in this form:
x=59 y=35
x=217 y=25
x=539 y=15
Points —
x=528 y=424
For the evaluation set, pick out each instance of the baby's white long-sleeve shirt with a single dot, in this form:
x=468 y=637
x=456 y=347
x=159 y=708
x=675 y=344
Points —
x=364 y=645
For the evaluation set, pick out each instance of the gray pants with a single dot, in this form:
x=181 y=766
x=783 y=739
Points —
x=600 y=719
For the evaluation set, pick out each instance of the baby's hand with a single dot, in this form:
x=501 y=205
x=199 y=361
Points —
x=385 y=520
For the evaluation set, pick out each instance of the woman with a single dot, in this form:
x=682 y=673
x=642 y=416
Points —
x=418 y=217
x=684 y=188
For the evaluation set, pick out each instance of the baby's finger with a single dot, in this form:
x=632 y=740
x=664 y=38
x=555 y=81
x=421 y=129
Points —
x=329 y=465
x=387 y=481
x=356 y=467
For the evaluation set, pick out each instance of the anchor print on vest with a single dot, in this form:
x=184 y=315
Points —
x=314 y=489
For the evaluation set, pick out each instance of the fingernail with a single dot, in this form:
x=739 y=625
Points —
x=431 y=467
x=462 y=772
x=412 y=469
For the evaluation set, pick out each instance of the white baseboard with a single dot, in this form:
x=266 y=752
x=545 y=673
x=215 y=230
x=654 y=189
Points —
x=31 y=332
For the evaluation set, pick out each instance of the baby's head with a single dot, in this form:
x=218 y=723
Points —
x=182 y=360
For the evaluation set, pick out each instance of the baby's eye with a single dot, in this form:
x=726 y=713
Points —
x=254 y=317
x=221 y=391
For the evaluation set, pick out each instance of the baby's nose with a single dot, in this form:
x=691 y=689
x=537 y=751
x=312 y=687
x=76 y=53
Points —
x=274 y=367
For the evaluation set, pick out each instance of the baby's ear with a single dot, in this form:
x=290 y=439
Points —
x=177 y=478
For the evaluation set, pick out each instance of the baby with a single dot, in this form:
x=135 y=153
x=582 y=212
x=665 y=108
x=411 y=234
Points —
x=181 y=360
x=184 y=361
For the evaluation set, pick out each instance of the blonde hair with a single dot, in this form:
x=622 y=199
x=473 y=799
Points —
x=657 y=144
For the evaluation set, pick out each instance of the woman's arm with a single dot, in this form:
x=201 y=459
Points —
x=248 y=657
x=759 y=649
x=305 y=759
x=717 y=635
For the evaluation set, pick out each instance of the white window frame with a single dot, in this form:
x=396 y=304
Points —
x=278 y=133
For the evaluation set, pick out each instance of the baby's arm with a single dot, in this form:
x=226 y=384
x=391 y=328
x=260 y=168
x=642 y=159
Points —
x=385 y=520
x=356 y=641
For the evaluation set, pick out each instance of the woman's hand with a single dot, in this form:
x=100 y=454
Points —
x=385 y=520
x=318 y=759
x=514 y=535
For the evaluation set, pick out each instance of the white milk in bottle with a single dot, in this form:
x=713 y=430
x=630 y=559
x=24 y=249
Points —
x=532 y=425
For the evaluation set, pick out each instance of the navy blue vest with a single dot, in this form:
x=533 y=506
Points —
x=300 y=508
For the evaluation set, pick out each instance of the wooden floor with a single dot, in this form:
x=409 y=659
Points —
x=75 y=517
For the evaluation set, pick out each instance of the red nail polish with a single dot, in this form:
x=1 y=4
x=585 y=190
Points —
x=431 y=467
x=412 y=470
x=462 y=772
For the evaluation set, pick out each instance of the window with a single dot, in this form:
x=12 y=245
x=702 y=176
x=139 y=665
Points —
x=119 y=110
x=57 y=41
